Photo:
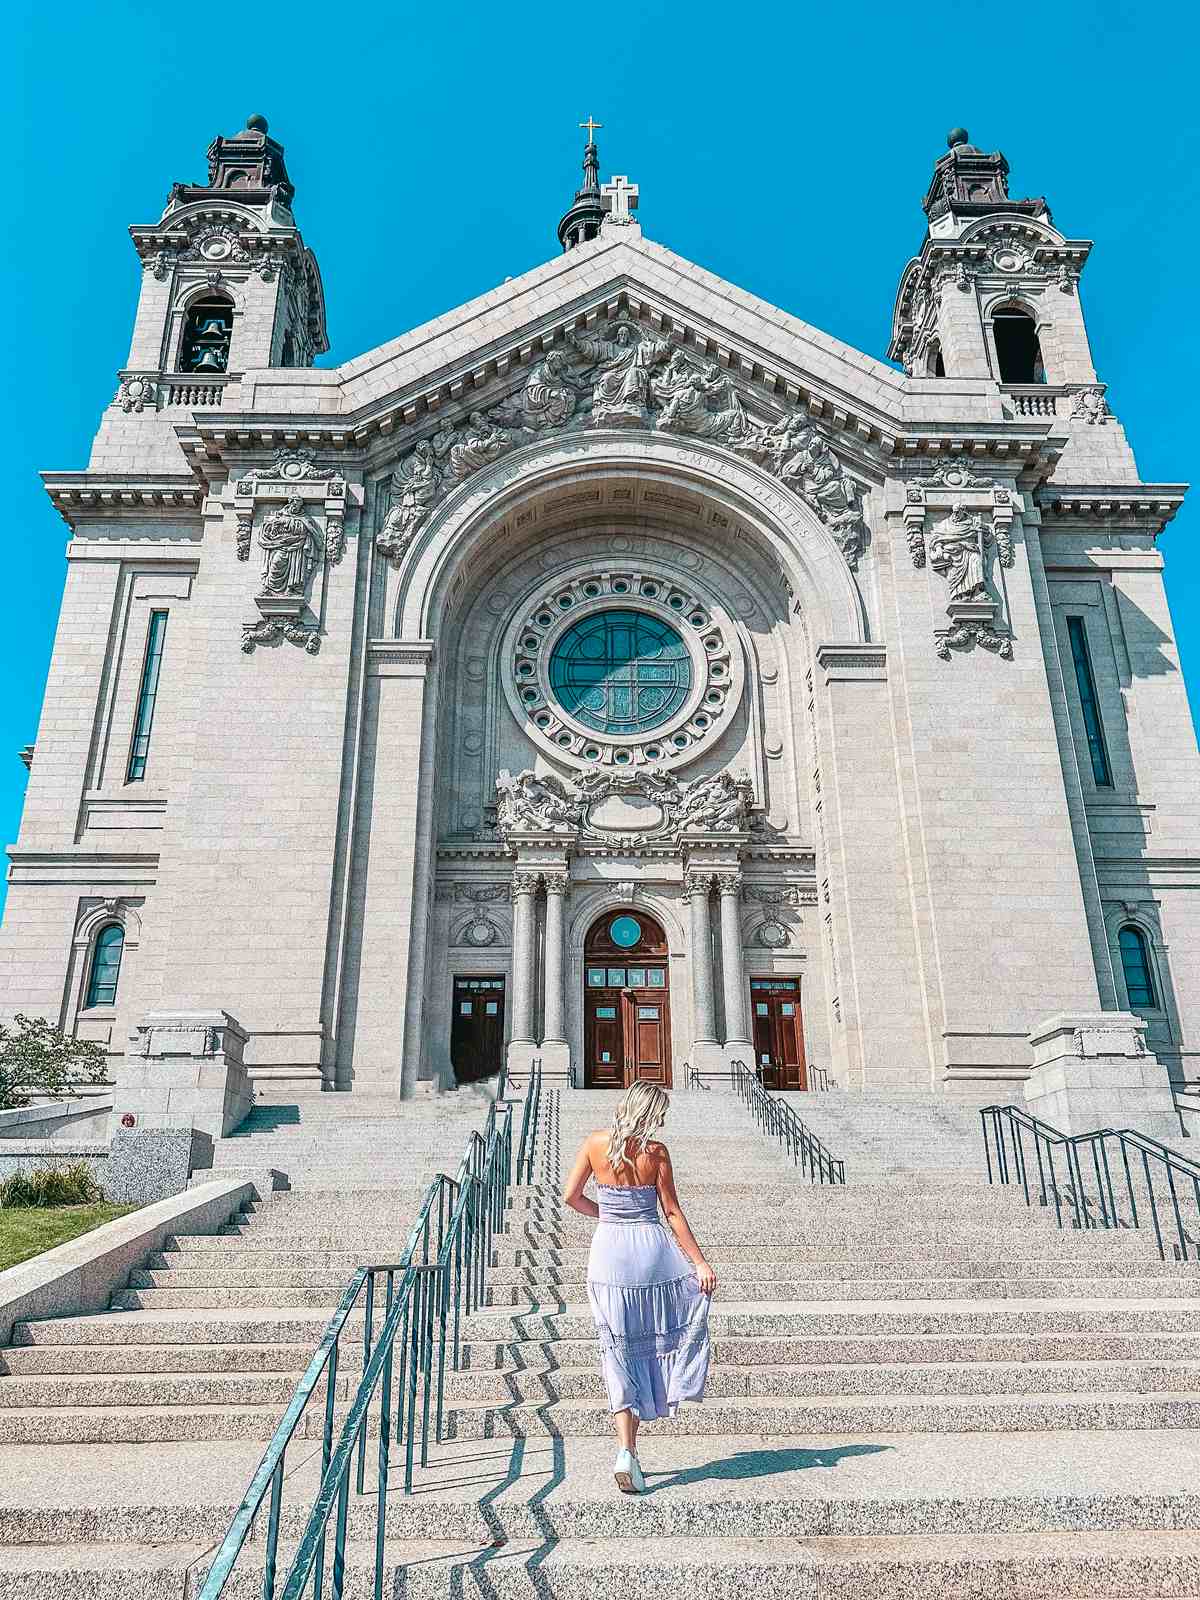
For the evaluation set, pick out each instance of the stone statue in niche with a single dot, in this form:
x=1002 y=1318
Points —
x=719 y=804
x=957 y=549
x=415 y=485
x=626 y=358
x=288 y=540
x=535 y=804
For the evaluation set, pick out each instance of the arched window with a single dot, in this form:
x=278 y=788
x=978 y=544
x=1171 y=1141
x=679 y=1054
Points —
x=1135 y=962
x=935 y=367
x=106 y=965
x=1018 y=350
x=206 y=335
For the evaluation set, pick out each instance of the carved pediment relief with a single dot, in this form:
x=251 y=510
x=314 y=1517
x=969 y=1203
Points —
x=625 y=376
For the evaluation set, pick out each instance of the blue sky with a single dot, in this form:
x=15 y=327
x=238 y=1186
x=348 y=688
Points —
x=433 y=149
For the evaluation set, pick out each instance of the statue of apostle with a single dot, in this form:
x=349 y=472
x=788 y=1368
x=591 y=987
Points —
x=288 y=541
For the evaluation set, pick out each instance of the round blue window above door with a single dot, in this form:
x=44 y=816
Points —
x=625 y=932
x=621 y=672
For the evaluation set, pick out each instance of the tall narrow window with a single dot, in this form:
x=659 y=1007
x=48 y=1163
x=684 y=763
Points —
x=1135 y=961
x=1018 y=350
x=1101 y=771
x=144 y=719
x=106 y=966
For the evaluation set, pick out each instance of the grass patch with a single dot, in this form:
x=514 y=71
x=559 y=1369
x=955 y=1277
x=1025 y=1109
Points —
x=26 y=1232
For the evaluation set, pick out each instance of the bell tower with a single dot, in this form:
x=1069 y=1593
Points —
x=994 y=295
x=228 y=285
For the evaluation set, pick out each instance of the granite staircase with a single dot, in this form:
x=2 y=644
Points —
x=918 y=1386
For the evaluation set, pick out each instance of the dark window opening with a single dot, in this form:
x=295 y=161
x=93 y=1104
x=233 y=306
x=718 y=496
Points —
x=289 y=350
x=207 y=333
x=143 y=721
x=1135 y=963
x=1018 y=352
x=935 y=367
x=106 y=965
x=1101 y=771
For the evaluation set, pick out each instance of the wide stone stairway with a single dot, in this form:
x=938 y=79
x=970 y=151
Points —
x=918 y=1386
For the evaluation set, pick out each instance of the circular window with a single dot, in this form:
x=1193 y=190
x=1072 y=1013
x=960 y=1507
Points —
x=621 y=672
x=625 y=932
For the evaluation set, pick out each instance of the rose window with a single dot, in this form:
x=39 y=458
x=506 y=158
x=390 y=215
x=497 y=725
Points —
x=622 y=669
x=620 y=672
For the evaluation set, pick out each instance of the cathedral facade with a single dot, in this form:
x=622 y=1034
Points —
x=615 y=672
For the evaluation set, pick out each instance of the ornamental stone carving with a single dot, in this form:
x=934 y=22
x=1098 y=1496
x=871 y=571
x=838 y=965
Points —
x=136 y=393
x=270 y=630
x=697 y=883
x=524 y=883
x=293 y=466
x=957 y=472
x=533 y=803
x=772 y=934
x=1089 y=405
x=624 y=377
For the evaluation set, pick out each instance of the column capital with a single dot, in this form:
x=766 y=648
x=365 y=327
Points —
x=557 y=883
x=728 y=883
x=524 y=883
x=697 y=883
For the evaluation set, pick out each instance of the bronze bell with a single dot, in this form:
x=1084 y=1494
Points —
x=209 y=361
x=213 y=328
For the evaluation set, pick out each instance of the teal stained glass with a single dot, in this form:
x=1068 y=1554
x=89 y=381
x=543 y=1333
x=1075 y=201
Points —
x=621 y=672
x=625 y=931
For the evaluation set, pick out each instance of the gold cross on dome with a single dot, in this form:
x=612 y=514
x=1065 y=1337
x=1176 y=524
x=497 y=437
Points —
x=591 y=128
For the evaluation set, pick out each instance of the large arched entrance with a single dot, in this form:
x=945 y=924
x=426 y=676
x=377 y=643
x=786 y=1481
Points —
x=626 y=1002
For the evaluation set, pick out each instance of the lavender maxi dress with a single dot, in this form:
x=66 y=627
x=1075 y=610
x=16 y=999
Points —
x=650 y=1313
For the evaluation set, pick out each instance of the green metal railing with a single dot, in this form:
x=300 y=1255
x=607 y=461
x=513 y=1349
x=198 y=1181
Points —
x=439 y=1278
x=777 y=1118
x=1110 y=1178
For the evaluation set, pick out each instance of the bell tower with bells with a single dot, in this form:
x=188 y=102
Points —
x=228 y=286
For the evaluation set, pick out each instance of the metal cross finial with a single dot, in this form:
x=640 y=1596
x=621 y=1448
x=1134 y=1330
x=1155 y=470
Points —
x=591 y=128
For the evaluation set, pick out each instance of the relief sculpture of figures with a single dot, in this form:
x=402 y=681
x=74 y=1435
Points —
x=288 y=541
x=549 y=399
x=685 y=391
x=535 y=804
x=719 y=804
x=415 y=486
x=617 y=378
x=626 y=360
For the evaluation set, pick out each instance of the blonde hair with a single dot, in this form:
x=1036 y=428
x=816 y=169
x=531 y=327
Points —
x=642 y=1111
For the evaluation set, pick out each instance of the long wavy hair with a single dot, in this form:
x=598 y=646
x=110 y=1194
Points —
x=642 y=1111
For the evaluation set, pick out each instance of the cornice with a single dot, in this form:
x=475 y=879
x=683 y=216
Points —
x=1151 y=505
x=120 y=494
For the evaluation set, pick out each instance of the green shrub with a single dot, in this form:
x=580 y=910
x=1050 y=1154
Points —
x=72 y=1185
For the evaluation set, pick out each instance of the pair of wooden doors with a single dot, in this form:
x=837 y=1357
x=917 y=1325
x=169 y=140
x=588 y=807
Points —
x=778 y=1033
x=477 y=1028
x=626 y=1003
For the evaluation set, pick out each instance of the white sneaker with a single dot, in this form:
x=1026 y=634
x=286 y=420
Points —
x=628 y=1473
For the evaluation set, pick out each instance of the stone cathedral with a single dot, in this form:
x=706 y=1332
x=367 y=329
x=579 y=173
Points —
x=616 y=672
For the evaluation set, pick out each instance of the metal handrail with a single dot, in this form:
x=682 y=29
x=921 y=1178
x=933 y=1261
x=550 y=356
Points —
x=776 y=1117
x=1075 y=1173
x=450 y=1239
x=529 y=1124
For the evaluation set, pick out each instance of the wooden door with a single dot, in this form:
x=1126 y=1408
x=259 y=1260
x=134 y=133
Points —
x=477 y=1028
x=626 y=1003
x=778 y=1032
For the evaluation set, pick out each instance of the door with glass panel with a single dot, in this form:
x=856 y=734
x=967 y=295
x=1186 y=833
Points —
x=477 y=1028
x=778 y=1032
x=626 y=1003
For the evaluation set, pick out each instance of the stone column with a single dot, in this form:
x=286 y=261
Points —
x=555 y=1054
x=696 y=889
x=733 y=975
x=524 y=888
